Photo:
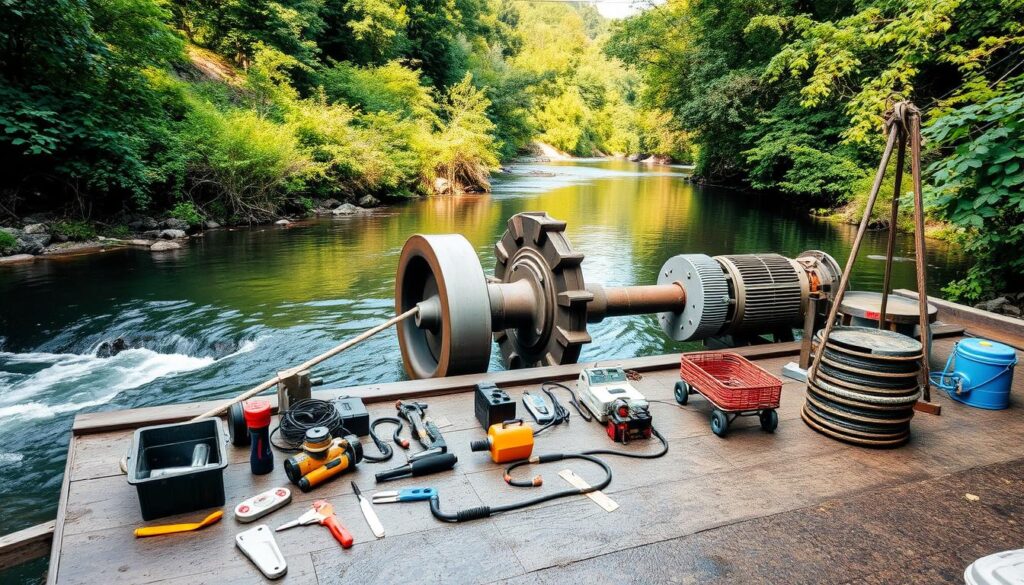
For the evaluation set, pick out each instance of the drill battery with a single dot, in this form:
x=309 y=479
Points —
x=629 y=421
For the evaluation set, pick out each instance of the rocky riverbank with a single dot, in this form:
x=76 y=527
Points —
x=45 y=235
x=1009 y=304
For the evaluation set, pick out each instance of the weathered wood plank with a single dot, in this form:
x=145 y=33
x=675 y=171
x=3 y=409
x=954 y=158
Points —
x=26 y=545
x=62 y=512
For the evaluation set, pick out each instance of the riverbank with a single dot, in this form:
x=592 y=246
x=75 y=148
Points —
x=40 y=235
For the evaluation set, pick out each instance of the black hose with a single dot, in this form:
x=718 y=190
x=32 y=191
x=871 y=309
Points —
x=485 y=511
x=385 y=450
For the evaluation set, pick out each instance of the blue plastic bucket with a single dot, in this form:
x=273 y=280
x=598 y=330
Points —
x=979 y=373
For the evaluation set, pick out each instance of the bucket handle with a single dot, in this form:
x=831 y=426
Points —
x=957 y=383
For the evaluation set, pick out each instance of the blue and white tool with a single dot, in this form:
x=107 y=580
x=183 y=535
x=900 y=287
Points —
x=404 y=495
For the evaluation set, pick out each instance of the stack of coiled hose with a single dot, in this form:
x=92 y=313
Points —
x=864 y=388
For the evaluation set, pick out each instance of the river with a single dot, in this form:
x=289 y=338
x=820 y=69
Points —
x=234 y=306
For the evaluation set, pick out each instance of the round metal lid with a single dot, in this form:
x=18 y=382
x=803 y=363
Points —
x=868 y=305
x=985 y=349
x=873 y=341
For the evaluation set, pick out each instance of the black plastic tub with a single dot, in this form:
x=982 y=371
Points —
x=172 y=445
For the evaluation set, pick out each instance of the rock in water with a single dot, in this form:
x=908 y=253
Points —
x=164 y=246
x=282 y=222
x=330 y=203
x=210 y=224
x=369 y=201
x=172 y=234
x=349 y=209
x=441 y=186
x=174 y=223
x=17 y=259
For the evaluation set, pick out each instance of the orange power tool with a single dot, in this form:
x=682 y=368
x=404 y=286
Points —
x=322 y=514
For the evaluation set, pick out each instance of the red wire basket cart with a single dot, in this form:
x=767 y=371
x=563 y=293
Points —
x=733 y=385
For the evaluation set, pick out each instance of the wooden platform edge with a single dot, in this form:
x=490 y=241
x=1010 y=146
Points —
x=115 y=420
x=26 y=545
x=978 y=323
x=62 y=510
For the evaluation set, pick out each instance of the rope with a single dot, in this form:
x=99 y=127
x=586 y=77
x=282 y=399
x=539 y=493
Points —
x=309 y=363
x=303 y=366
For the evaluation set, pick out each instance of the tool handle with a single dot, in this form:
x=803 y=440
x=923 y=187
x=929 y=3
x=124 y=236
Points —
x=433 y=464
x=162 y=530
x=338 y=531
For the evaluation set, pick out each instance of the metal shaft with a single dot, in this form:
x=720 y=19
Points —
x=616 y=301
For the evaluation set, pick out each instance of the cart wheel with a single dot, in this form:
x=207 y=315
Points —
x=769 y=420
x=682 y=392
x=719 y=423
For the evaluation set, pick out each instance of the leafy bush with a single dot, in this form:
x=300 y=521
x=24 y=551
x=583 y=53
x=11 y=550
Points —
x=355 y=154
x=75 y=230
x=7 y=243
x=245 y=162
x=388 y=88
x=980 y=187
x=463 y=151
x=117 y=231
x=186 y=211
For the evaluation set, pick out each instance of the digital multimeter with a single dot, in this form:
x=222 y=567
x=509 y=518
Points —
x=541 y=410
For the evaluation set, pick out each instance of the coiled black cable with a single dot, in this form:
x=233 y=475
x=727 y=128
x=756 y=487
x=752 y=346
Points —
x=385 y=450
x=302 y=416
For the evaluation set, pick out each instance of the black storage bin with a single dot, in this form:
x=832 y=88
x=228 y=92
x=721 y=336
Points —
x=172 y=446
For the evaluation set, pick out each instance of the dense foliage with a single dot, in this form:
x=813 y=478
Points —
x=789 y=96
x=237 y=109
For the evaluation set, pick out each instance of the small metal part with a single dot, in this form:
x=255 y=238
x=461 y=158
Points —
x=259 y=546
x=707 y=297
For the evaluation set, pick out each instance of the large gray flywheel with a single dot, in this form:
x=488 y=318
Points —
x=452 y=333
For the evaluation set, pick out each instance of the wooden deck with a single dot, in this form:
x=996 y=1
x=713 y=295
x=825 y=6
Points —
x=789 y=507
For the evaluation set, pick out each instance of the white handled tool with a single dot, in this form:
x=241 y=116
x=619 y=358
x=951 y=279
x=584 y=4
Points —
x=259 y=545
x=369 y=513
x=260 y=505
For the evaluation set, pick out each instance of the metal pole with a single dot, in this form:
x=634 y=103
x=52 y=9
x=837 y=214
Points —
x=890 y=249
x=844 y=280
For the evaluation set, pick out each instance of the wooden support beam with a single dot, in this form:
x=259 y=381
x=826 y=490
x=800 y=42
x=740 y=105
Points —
x=26 y=545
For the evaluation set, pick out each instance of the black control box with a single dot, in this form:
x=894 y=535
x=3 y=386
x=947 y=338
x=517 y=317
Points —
x=492 y=405
x=353 y=414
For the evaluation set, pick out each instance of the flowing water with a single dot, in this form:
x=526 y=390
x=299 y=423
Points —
x=233 y=307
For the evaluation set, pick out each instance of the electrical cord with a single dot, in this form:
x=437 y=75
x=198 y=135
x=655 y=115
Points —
x=385 y=450
x=302 y=416
x=561 y=413
x=486 y=511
